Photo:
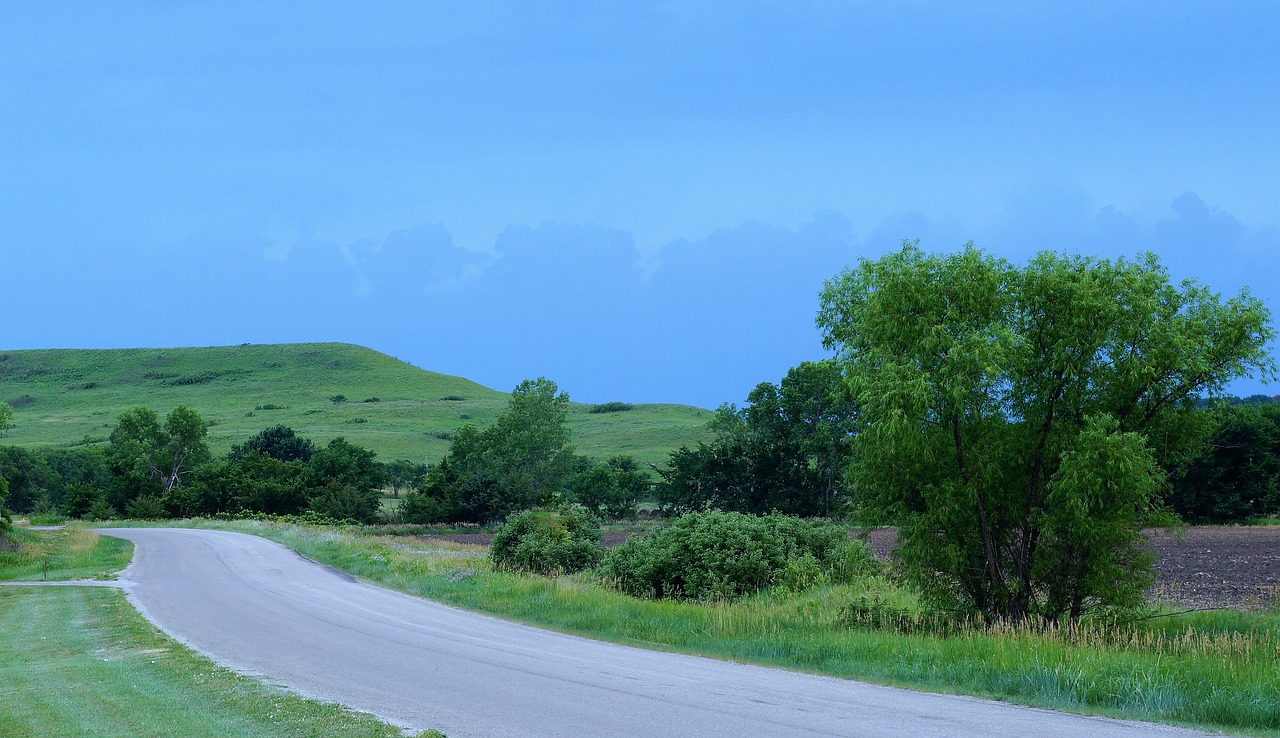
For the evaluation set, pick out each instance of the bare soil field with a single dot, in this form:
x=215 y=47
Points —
x=1208 y=566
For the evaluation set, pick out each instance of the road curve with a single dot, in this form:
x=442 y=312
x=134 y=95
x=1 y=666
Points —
x=261 y=608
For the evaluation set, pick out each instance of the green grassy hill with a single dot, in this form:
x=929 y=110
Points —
x=69 y=397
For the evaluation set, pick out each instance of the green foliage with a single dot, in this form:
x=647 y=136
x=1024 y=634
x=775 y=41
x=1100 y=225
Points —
x=148 y=459
x=146 y=507
x=101 y=510
x=610 y=490
x=420 y=508
x=520 y=461
x=1236 y=475
x=280 y=442
x=550 y=542
x=610 y=407
x=253 y=481
x=80 y=499
x=1014 y=421
x=785 y=452
x=6 y=523
x=347 y=464
x=344 y=502
x=6 y=419
x=718 y=555
x=403 y=473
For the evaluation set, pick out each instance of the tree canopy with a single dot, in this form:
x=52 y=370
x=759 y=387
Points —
x=522 y=460
x=1014 y=421
x=785 y=451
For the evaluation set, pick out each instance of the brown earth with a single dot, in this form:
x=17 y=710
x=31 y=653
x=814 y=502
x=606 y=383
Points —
x=1208 y=566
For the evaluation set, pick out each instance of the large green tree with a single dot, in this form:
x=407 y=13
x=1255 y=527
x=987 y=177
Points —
x=151 y=459
x=522 y=460
x=1015 y=421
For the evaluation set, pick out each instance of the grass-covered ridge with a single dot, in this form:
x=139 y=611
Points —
x=322 y=390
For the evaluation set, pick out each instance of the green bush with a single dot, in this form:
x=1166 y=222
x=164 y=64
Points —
x=549 y=542
x=146 y=507
x=610 y=407
x=419 y=508
x=717 y=555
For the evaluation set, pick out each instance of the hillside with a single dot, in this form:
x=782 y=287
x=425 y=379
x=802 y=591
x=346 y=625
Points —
x=70 y=397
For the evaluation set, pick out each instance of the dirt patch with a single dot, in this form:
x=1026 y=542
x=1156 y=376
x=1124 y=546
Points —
x=1218 y=566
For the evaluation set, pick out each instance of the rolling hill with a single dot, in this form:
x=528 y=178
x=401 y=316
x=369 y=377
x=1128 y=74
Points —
x=72 y=397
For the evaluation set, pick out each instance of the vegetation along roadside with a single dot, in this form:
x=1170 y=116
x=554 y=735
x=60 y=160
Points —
x=79 y=661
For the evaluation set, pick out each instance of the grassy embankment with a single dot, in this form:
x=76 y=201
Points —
x=70 y=397
x=77 y=661
x=1214 y=670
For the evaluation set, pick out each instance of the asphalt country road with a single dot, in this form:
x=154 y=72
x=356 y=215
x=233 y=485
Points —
x=260 y=608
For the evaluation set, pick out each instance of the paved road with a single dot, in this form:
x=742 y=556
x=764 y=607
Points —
x=258 y=607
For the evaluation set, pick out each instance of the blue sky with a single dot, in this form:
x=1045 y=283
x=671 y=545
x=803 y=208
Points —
x=639 y=201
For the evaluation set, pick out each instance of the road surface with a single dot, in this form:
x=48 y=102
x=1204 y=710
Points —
x=261 y=608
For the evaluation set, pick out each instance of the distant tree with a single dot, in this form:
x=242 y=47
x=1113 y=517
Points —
x=280 y=442
x=529 y=445
x=29 y=477
x=402 y=473
x=610 y=489
x=1014 y=421
x=520 y=461
x=6 y=423
x=6 y=523
x=183 y=447
x=149 y=459
x=345 y=477
x=1236 y=475
x=80 y=499
x=785 y=451
x=134 y=446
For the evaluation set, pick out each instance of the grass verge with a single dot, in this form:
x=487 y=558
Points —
x=1210 y=670
x=60 y=555
x=77 y=661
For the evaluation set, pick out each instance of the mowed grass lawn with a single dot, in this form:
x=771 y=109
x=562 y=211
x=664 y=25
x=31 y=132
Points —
x=73 y=397
x=80 y=661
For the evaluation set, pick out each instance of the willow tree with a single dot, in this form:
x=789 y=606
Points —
x=1016 y=422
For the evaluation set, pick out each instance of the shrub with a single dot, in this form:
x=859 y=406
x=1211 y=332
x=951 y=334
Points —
x=610 y=407
x=720 y=555
x=549 y=542
x=101 y=510
x=453 y=398
x=145 y=507
x=337 y=399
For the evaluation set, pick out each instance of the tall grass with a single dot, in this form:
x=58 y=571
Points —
x=1206 y=669
x=59 y=555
